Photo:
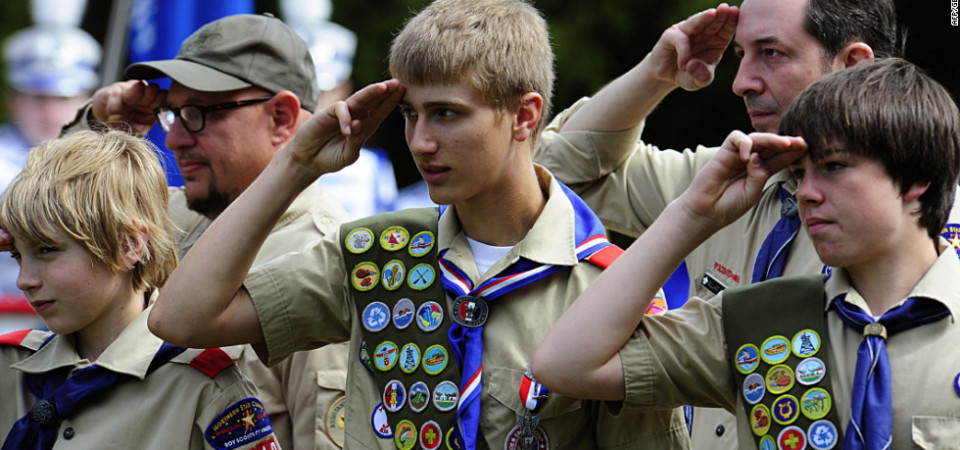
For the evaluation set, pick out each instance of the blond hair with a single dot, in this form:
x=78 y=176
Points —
x=98 y=189
x=501 y=47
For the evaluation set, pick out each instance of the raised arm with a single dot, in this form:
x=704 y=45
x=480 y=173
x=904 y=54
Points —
x=579 y=357
x=685 y=57
x=203 y=303
x=128 y=103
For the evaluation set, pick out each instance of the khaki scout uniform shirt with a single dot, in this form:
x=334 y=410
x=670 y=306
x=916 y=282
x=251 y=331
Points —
x=303 y=393
x=167 y=409
x=305 y=300
x=680 y=358
x=628 y=183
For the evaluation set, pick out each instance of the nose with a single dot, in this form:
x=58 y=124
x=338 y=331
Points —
x=28 y=278
x=178 y=137
x=747 y=82
x=420 y=137
x=807 y=192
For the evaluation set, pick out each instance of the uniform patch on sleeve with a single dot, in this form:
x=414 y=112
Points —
x=244 y=422
x=212 y=361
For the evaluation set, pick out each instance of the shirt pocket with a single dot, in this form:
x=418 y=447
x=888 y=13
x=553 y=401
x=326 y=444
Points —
x=936 y=432
x=561 y=418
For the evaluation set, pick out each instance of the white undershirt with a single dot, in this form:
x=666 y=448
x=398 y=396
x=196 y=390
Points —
x=485 y=256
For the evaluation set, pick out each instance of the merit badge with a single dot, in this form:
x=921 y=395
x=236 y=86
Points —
x=365 y=276
x=394 y=396
x=379 y=422
x=822 y=435
x=359 y=240
x=792 y=438
x=748 y=358
x=754 y=388
x=775 y=350
x=431 y=436
x=421 y=276
x=453 y=440
x=365 y=356
x=409 y=357
x=435 y=359
x=815 y=403
x=779 y=379
x=657 y=306
x=393 y=274
x=429 y=316
x=470 y=311
x=956 y=384
x=419 y=396
x=336 y=418
x=446 y=395
x=767 y=443
x=421 y=244
x=785 y=409
x=385 y=356
x=376 y=317
x=806 y=343
x=394 y=238
x=951 y=232
x=242 y=422
x=514 y=439
x=403 y=313
x=811 y=371
x=760 y=419
x=405 y=435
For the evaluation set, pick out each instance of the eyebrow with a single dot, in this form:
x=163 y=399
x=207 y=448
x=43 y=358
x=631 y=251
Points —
x=766 y=40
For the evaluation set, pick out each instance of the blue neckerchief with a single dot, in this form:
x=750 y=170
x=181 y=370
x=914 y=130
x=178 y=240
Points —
x=773 y=252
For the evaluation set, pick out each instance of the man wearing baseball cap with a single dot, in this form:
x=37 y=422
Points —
x=240 y=88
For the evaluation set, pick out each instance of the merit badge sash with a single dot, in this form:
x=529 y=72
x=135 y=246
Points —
x=780 y=357
x=391 y=260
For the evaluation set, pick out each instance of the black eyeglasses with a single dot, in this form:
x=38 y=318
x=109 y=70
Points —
x=194 y=117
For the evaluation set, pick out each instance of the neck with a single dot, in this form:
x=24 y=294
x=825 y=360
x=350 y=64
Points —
x=884 y=282
x=95 y=338
x=503 y=218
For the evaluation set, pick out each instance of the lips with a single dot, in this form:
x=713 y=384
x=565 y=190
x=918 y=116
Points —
x=41 y=306
x=433 y=173
x=815 y=224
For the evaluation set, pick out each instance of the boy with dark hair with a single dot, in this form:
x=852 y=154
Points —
x=834 y=355
x=443 y=308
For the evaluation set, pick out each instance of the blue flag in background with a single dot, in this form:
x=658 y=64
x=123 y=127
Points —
x=157 y=28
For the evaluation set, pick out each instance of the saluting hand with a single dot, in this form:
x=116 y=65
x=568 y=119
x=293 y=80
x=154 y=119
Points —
x=128 y=104
x=688 y=52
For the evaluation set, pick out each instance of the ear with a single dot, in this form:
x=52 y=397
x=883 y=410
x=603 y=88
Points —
x=852 y=54
x=135 y=243
x=915 y=191
x=527 y=116
x=284 y=111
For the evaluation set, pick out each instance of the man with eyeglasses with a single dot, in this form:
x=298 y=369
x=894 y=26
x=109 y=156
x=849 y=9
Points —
x=240 y=88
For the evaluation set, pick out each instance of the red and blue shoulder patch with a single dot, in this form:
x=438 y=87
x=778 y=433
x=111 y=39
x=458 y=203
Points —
x=604 y=257
x=212 y=361
x=244 y=423
x=14 y=337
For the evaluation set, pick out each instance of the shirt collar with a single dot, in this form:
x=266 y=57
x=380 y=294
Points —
x=939 y=283
x=130 y=353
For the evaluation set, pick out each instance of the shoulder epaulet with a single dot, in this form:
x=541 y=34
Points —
x=604 y=257
x=31 y=339
x=211 y=361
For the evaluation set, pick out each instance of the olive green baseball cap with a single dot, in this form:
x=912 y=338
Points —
x=238 y=52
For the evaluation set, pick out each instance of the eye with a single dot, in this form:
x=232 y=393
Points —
x=46 y=250
x=738 y=52
x=797 y=174
x=407 y=113
x=444 y=112
x=833 y=166
x=772 y=53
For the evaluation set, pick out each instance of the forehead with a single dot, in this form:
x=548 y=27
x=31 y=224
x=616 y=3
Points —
x=772 y=20
x=179 y=94
x=461 y=93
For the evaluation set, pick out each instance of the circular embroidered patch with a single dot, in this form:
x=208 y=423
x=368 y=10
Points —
x=470 y=311
x=376 y=316
x=380 y=423
x=754 y=388
x=419 y=396
x=767 y=443
x=951 y=232
x=805 y=343
x=409 y=358
x=385 y=356
x=435 y=359
x=431 y=436
x=393 y=275
x=956 y=384
x=514 y=439
x=748 y=358
x=405 y=435
x=403 y=313
x=791 y=438
x=446 y=395
x=421 y=276
x=816 y=403
x=785 y=409
x=336 y=419
x=658 y=305
x=779 y=379
x=823 y=435
x=394 y=238
x=421 y=244
x=811 y=371
x=429 y=316
x=365 y=356
x=760 y=419
x=775 y=350
x=358 y=240
x=453 y=440
x=365 y=276
x=394 y=396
